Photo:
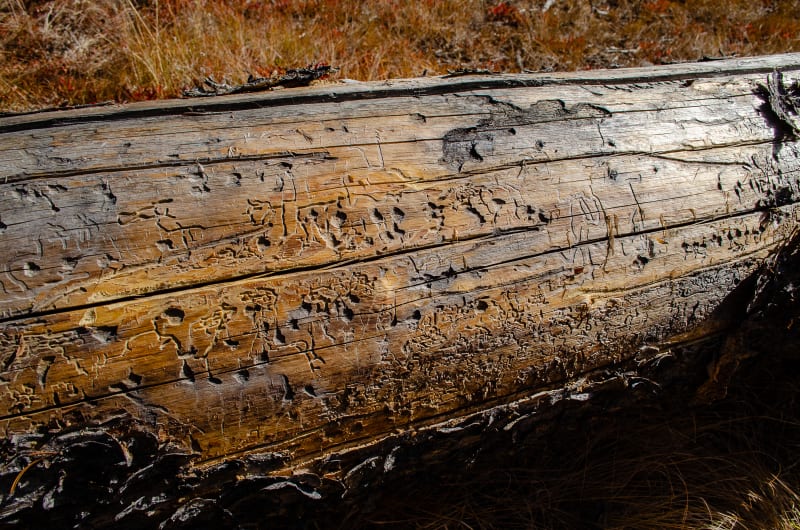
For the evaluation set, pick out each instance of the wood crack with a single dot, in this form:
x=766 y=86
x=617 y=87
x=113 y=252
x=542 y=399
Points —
x=289 y=155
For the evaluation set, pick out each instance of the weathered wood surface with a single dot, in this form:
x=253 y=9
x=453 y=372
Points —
x=306 y=271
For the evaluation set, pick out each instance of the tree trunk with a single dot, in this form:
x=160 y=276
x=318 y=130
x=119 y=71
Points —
x=315 y=278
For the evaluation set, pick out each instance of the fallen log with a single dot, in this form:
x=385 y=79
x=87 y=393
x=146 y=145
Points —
x=303 y=282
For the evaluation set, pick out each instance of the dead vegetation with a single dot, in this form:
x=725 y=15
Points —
x=67 y=52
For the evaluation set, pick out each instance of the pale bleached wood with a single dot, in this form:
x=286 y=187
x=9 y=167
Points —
x=414 y=87
x=174 y=138
x=352 y=181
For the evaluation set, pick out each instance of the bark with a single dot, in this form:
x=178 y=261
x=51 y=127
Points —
x=313 y=282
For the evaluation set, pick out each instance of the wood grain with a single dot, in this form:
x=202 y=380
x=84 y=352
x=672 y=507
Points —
x=305 y=271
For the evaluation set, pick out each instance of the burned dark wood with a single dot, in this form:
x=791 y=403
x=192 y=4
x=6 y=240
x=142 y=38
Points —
x=308 y=278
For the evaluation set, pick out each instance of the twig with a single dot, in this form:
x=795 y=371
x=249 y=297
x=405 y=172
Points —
x=720 y=57
x=468 y=71
x=25 y=469
x=295 y=77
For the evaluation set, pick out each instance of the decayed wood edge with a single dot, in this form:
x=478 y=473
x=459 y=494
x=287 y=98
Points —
x=405 y=87
x=144 y=487
x=143 y=494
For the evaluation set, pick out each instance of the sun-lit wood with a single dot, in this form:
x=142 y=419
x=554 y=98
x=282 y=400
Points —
x=305 y=271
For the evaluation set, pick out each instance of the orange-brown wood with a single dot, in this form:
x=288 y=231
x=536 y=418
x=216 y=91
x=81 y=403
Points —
x=304 y=271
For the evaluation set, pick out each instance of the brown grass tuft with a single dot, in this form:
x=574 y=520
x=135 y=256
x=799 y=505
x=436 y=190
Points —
x=59 y=52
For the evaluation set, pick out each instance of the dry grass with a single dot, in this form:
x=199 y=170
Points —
x=59 y=52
